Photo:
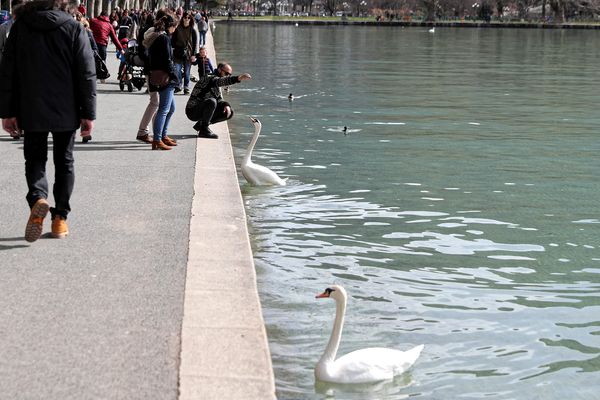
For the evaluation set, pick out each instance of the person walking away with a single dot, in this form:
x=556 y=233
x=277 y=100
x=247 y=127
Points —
x=102 y=30
x=184 y=44
x=206 y=104
x=61 y=67
x=203 y=28
x=160 y=54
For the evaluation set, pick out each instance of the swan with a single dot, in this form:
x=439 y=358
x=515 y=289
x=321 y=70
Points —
x=432 y=30
x=254 y=173
x=368 y=365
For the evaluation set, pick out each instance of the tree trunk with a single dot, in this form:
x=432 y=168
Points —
x=97 y=7
x=543 y=10
x=90 y=8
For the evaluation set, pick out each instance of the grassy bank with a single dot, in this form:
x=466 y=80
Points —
x=444 y=23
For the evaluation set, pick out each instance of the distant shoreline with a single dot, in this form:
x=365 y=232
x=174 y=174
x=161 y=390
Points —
x=445 y=24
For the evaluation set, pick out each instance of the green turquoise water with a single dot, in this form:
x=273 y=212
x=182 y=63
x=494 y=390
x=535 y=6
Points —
x=459 y=211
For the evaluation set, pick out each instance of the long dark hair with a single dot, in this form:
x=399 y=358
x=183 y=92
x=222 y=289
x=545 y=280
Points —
x=191 y=18
x=164 y=23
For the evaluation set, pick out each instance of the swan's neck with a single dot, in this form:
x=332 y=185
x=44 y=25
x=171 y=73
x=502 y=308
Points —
x=248 y=155
x=336 y=333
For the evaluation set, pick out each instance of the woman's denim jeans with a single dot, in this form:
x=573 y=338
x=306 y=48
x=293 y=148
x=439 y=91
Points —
x=166 y=108
x=185 y=79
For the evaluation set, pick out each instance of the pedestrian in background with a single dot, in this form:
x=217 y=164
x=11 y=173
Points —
x=102 y=29
x=185 y=43
x=205 y=66
x=5 y=27
x=48 y=58
x=203 y=27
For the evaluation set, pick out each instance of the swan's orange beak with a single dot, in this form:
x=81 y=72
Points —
x=322 y=295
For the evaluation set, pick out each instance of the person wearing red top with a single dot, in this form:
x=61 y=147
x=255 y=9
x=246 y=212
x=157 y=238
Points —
x=102 y=29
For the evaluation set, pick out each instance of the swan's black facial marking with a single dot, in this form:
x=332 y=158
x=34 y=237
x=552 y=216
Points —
x=329 y=291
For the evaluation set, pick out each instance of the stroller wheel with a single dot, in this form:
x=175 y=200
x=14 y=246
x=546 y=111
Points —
x=121 y=85
x=129 y=86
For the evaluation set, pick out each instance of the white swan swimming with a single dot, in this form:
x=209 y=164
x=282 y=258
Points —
x=361 y=366
x=254 y=173
x=432 y=30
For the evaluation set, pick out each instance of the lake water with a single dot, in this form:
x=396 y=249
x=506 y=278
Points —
x=459 y=211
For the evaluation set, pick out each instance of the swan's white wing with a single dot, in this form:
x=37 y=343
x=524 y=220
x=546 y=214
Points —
x=260 y=175
x=373 y=364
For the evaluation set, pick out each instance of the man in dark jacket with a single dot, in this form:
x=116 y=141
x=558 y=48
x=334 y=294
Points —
x=206 y=103
x=48 y=84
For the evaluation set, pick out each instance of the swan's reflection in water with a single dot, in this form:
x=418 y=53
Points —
x=372 y=391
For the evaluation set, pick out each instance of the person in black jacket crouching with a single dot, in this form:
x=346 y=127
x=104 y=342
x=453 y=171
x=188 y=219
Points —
x=206 y=104
x=48 y=84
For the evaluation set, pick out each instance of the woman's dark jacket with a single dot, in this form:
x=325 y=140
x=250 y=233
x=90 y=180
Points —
x=160 y=56
x=184 y=41
x=48 y=73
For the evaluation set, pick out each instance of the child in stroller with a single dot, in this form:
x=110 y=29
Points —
x=131 y=69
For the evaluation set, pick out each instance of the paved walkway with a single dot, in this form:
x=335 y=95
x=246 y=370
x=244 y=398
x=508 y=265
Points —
x=153 y=295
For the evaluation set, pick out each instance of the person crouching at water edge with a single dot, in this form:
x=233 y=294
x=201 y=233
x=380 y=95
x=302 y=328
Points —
x=206 y=104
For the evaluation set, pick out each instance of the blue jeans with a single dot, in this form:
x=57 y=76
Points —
x=166 y=108
x=186 y=73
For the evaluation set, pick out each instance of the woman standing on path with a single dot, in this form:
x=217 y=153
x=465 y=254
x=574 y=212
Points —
x=184 y=41
x=147 y=35
x=160 y=54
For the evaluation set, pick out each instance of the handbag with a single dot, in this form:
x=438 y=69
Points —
x=101 y=68
x=158 y=78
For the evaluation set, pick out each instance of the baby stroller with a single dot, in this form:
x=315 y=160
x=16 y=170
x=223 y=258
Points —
x=131 y=70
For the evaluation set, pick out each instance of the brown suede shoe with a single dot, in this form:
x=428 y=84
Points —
x=159 y=145
x=169 y=142
x=144 y=138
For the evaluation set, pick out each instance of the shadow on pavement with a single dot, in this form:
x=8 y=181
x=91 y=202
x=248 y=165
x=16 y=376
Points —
x=12 y=239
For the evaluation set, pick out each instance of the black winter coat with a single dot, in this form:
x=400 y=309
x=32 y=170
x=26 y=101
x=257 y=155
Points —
x=48 y=73
x=160 y=55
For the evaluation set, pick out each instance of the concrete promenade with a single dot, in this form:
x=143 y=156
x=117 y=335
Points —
x=153 y=295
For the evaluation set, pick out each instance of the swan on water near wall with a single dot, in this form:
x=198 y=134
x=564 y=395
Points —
x=257 y=174
x=368 y=365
